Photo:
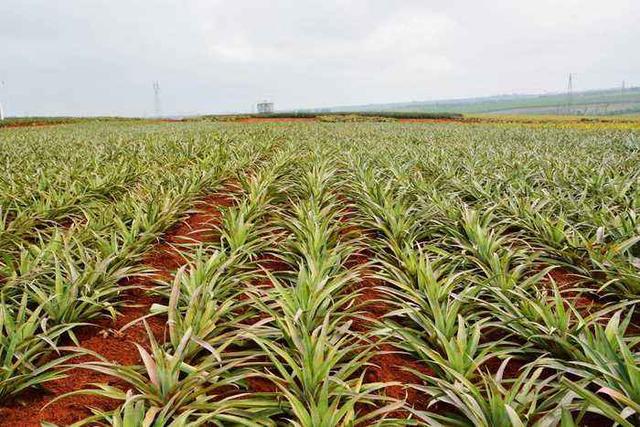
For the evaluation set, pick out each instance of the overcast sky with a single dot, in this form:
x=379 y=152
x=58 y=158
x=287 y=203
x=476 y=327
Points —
x=91 y=57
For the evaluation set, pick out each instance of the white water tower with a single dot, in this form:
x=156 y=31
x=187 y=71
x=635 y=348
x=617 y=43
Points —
x=265 y=107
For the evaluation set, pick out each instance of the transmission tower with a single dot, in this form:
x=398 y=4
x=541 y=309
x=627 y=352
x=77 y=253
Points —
x=156 y=98
x=1 y=93
x=570 y=94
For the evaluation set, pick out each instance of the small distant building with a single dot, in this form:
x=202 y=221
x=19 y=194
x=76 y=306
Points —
x=265 y=107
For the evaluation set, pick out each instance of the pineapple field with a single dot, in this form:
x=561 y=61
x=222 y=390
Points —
x=320 y=274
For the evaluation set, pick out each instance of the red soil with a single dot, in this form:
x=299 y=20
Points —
x=273 y=265
x=106 y=338
x=460 y=120
x=315 y=119
x=261 y=385
x=273 y=119
x=567 y=282
x=388 y=364
x=200 y=226
x=103 y=339
x=29 y=125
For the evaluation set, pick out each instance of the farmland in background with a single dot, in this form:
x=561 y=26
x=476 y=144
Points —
x=320 y=273
x=603 y=102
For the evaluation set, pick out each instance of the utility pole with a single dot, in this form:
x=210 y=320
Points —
x=570 y=94
x=623 y=88
x=156 y=98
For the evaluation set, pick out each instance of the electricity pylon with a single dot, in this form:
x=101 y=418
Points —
x=570 y=94
x=1 y=110
x=156 y=98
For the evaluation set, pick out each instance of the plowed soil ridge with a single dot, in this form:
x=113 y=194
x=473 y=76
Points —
x=106 y=338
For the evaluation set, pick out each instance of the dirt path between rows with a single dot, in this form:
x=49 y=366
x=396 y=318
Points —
x=106 y=339
x=388 y=363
